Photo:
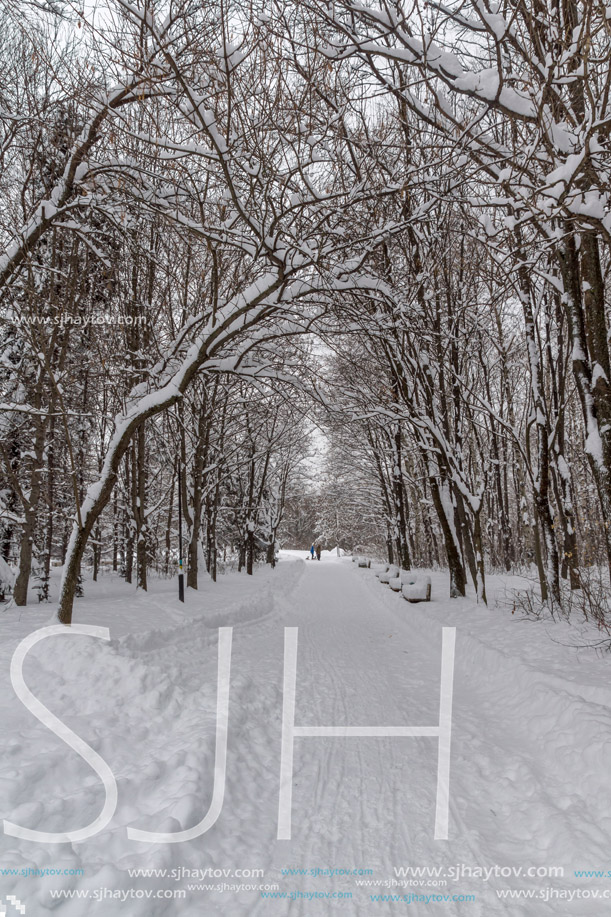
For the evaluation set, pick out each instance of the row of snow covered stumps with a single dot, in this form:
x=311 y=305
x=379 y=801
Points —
x=414 y=587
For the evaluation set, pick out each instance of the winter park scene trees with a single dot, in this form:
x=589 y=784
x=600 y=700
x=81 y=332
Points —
x=305 y=457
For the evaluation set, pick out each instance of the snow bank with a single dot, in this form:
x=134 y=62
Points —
x=132 y=702
x=531 y=746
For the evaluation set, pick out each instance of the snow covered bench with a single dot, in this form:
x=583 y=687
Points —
x=363 y=561
x=403 y=578
x=416 y=587
x=390 y=573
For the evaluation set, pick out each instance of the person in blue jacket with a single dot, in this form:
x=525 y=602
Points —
x=312 y=550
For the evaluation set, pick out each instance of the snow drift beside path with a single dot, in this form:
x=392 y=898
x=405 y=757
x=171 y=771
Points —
x=532 y=735
x=134 y=703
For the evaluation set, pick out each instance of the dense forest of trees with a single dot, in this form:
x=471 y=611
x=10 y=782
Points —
x=335 y=270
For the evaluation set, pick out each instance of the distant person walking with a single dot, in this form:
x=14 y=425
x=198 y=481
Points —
x=312 y=549
x=318 y=552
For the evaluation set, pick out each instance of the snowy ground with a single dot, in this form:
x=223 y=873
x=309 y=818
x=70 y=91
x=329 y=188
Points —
x=530 y=767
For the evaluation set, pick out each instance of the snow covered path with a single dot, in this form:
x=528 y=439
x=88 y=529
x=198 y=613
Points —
x=531 y=750
x=356 y=799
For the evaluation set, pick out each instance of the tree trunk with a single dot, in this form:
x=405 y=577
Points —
x=400 y=509
x=250 y=549
x=445 y=512
x=539 y=562
x=97 y=549
x=593 y=398
x=20 y=591
x=480 y=584
x=542 y=473
x=140 y=475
